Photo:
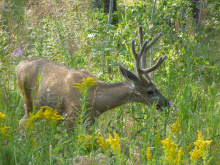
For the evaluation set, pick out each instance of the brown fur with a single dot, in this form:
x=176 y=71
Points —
x=46 y=83
x=50 y=84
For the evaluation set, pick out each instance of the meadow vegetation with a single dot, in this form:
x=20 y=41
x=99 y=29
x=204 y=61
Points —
x=70 y=32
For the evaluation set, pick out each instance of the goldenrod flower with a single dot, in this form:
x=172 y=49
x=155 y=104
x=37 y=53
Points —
x=86 y=84
x=196 y=154
x=148 y=153
x=111 y=142
x=114 y=143
x=201 y=147
x=39 y=114
x=4 y=131
x=2 y=116
x=169 y=149
x=45 y=113
x=176 y=127
x=86 y=139
x=102 y=142
x=51 y=114
x=179 y=155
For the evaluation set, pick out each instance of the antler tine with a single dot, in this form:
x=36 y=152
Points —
x=141 y=36
x=143 y=48
x=136 y=58
x=141 y=57
x=146 y=48
x=143 y=61
x=143 y=53
x=154 y=67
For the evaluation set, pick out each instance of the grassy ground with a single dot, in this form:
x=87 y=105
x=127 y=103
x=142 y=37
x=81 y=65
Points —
x=70 y=33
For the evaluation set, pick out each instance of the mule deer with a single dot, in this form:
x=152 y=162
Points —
x=55 y=89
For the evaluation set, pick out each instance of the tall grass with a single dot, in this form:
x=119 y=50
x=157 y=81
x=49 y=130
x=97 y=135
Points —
x=71 y=33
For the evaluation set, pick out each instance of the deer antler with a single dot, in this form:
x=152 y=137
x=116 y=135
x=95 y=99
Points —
x=142 y=69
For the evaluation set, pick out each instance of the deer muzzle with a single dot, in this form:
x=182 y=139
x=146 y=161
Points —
x=159 y=107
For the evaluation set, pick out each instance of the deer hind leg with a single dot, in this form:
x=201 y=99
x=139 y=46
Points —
x=24 y=83
x=28 y=107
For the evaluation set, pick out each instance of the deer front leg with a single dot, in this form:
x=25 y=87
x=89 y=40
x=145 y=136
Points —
x=90 y=118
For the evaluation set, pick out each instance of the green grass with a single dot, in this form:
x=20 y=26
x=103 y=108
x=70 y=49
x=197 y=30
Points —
x=72 y=34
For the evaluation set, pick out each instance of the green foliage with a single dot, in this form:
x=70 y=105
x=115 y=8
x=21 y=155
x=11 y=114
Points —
x=71 y=33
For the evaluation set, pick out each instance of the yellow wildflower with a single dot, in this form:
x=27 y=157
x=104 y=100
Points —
x=102 y=142
x=179 y=155
x=148 y=153
x=51 y=114
x=2 y=116
x=114 y=143
x=111 y=142
x=176 y=127
x=45 y=113
x=169 y=148
x=196 y=154
x=201 y=147
x=4 y=131
x=86 y=139
x=39 y=114
x=86 y=84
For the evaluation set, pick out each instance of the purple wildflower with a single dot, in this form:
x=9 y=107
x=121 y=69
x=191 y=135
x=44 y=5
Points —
x=59 y=14
x=40 y=36
x=170 y=103
x=17 y=52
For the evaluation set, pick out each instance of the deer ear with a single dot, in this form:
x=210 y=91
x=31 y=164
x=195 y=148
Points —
x=128 y=75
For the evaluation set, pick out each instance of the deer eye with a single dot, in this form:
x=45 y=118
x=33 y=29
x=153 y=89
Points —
x=150 y=92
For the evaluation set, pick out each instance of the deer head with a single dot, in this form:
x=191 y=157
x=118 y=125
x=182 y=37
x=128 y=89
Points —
x=145 y=91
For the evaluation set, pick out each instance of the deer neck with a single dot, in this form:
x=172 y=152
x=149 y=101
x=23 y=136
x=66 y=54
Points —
x=107 y=96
